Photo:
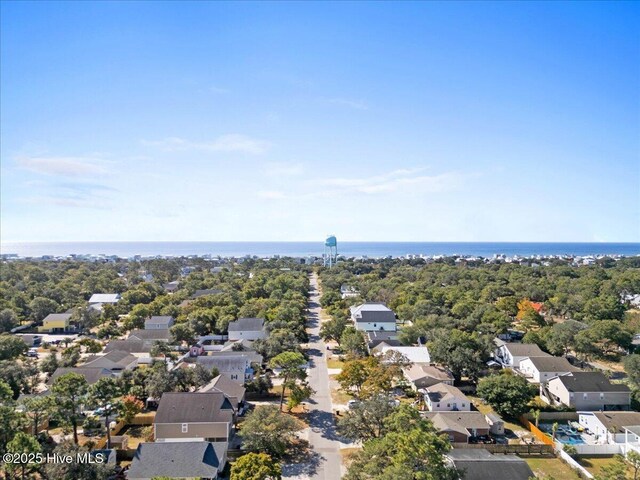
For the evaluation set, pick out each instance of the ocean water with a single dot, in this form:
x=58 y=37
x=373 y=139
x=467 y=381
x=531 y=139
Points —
x=298 y=249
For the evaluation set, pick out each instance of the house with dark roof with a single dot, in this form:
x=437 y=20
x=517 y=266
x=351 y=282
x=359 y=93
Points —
x=150 y=335
x=373 y=316
x=609 y=427
x=159 y=322
x=235 y=365
x=378 y=337
x=203 y=460
x=139 y=348
x=194 y=416
x=586 y=391
x=541 y=369
x=511 y=354
x=460 y=427
x=231 y=389
x=442 y=397
x=480 y=464
x=171 y=286
x=90 y=374
x=247 y=329
x=116 y=361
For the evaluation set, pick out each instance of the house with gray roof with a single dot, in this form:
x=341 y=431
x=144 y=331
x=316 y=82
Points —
x=480 y=464
x=98 y=300
x=460 y=427
x=247 y=329
x=235 y=365
x=204 y=460
x=425 y=375
x=159 y=322
x=171 y=286
x=442 y=397
x=90 y=374
x=230 y=388
x=116 y=361
x=150 y=335
x=194 y=416
x=373 y=316
x=541 y=369
x=509 y=355
x=609 y=427
x=139 y=348
x=586 y=391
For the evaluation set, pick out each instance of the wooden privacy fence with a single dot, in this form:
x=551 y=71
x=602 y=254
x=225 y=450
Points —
x=533 y=449
x=139 y=419
x=536 y=432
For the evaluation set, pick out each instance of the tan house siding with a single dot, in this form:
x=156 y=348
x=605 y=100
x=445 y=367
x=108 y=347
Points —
x=217 y=431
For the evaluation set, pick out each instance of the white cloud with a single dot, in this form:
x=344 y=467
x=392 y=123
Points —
x=62 y=166
x=224 y=143
x=272 y=195
x=398 y=180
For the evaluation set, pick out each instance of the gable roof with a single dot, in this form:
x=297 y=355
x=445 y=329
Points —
x=441 y=392
x=618 y=420
x=160 y=319
x=461 y=422
x=226 y=363
x=178 y=460
x=129 y=345
x=589 y=382
x=90 y=374
x=56 y=317
x=104 y=298
x=247 y=325
x=150 y=335
x=413 y=354
x=479 y=464
x=525 y=350
x=373 y=313
x=111 y=360
x=552 y=364
x=226 y=386
x=419 y=371
x=194 y=407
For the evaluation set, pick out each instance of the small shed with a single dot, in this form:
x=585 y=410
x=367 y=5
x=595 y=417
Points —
x=120 y=442
x=496 y=424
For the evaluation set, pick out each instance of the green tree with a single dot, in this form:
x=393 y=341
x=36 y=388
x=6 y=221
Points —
x=90 y=345
x=10 y=419
x=352 y=342
x=632 y=368
x=8 y=320
x=182 y=333
x=76 y=470
x=464 y=353
x=616 y=470
x=291 y=365
x=256 y=466
x=161 y=349
x=633 y=459
x=41 y=307
x=130 y=406
x=333 y=329
x=69 y=391
x=27 y=444
x=104 y=394
x=266 y=429
x=38 y=408
x=366 y=420
x=11 y=347
x=507 y=393
x=49 y=364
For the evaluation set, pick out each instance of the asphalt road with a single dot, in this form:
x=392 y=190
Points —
x=323 y=436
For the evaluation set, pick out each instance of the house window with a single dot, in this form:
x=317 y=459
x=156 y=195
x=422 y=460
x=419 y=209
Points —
x=584 y=396
x=185 y=427
x=448 y=404
x=234 y=377
x=601 y=396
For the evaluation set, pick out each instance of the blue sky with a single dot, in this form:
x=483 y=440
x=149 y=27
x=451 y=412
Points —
x=286 y=121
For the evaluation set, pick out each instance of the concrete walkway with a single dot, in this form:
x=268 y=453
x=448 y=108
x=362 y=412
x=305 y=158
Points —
x=326 y=463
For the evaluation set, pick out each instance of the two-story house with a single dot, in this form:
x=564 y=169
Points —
x=56 y=323
x=247 y=329
x=373 y=316
x=541 y=369
x=585 y=391
x=442 y=397
x=509 y=355
x=609 y=427
x=159 y=322
x=193 y=416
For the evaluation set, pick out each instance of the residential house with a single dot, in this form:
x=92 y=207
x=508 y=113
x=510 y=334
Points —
x=56 y=323
x=193 y=416
x=116 y=361
x=230 y=388
x=237 y=367
x=586 y=391
x=461 y=427
x=247 y=329
x=90 y=374
x=412 y=354
x=373 y=316
x=511 y=354
x=609 y=427
x=163 y=322
x=97 y=300
x=139 y=348
x=541 y=369
x=442 y=397
x=377 y=337
x=347 y=291
x=171 y=286
x=149 y=335
x=203 y=460
x=480 y=464
x=31 y=340
x=425 y=375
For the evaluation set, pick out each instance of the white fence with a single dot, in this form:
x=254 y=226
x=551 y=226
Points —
x=573 y=464
x=584 y=449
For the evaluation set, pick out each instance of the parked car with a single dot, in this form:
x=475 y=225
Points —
x=353 y=403
x=33 y=353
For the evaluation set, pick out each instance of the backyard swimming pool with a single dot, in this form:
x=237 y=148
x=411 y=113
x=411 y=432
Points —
x=564 y=434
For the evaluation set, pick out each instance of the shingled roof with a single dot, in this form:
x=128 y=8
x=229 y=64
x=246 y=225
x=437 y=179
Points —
x=194 y=407
x=590 y=382
x=247 y=325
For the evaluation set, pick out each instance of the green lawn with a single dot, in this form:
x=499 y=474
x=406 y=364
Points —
x=553 y=467
x=334 y=363
x=595 y=464
x=485 y=409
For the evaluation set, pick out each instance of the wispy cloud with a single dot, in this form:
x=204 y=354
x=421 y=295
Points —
x=347 y=102
x=272 y=195
x=62 y=166
x=224 y=143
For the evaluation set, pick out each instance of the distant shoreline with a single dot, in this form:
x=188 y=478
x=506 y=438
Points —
x=311 y=249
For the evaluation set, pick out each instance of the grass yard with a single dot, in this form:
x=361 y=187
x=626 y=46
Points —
x=346 y=454
x=334 y=363
x=485 y=409
x=595 y=464
x=551 y=466
x=137 y=434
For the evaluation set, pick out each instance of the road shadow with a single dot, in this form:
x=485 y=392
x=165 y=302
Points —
x=323 y=422
x=301 y=461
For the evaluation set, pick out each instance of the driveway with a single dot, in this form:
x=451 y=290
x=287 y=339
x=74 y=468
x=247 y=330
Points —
x=326 y=463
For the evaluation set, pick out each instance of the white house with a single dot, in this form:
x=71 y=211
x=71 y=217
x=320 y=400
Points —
x=247 y=329
x=609 y=427
x=511 y=354
x=586 y=391
x=373 y=316
x=446 y=398
x=412 y=354
x=541 y=369
x=163 y=322
x=97 y=300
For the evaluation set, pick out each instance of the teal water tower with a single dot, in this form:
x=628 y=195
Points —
x=330 y=251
